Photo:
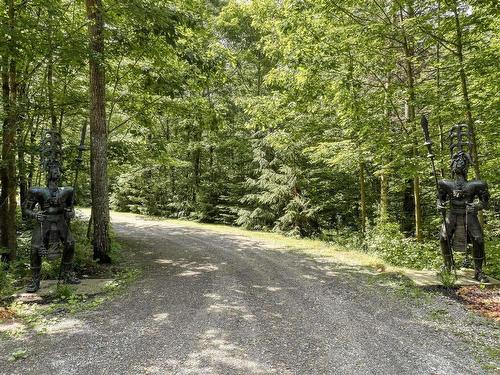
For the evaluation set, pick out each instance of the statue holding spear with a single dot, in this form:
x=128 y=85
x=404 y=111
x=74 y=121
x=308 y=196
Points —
x=459 y=201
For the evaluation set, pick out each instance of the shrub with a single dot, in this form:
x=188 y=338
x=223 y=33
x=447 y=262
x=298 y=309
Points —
x=387 y=241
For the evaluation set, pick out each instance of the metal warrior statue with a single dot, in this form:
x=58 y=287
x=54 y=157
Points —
x=463 y=199
x=54 y=212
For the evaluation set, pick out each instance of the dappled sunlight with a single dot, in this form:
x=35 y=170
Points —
x=273 y=288
x=238 y=291
x=220 y=307
x=11 y=327
x=213 y=296
x=216 y=354
x=233 y=308
x=67 y=326
x=310 y=277
x=163 y=261
x=187 y=267
x=189 y=273
x=161 y=317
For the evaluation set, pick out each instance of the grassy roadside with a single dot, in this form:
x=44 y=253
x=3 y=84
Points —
x=20 y=315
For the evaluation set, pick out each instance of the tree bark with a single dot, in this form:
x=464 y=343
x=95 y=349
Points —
x=362 y=193
x=98 y=133
x=409 y=52
x=50 y=81
x=21 y=148
x=465 y=91
x=8 y=202
x=384 y=175
x=384 y=197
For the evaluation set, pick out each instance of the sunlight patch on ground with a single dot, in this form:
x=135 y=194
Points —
x=310 y=277
x=214 y=296
x=273 y=288
x=62 y=326
x=11 y=327
x=161 y=317
x=189 y=273
x=220 y=306
x=188 y=268
x=216 y=354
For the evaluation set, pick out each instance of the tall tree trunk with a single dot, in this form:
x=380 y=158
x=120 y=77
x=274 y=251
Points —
x=98 y=133
x=21 y=147
x=384 y=175
x=362 y=199
x=8 y=202
x=384 y=197
x=465 y=90
x=438 y=96
x=410 y=118
x=50 y=82
x=31 y=168
x=408 y=217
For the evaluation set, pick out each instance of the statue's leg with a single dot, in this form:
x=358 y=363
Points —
x=36 y=260
x=445 y=241
x=67 y=260
x=478 y=253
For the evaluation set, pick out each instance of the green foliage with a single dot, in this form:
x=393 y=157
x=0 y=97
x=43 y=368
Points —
x=492 y=266
x=447 y=278
x=18 y=354
x=387 y=240
x=269 y=114
x=6 y=283
x=63 y=292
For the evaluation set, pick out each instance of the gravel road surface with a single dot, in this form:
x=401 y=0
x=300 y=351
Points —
x=211 y=303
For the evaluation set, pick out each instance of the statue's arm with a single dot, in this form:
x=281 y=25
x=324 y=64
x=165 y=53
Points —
x=69 y=204
x=30 y=203
x=484 y=197
x=442 y=195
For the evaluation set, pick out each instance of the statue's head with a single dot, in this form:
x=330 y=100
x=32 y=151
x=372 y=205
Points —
x=460 y=150
x=54 y=172
x=51 y=153
x=460 y=164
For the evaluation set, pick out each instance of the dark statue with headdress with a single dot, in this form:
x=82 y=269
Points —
x=463 y=199
x=52 y=208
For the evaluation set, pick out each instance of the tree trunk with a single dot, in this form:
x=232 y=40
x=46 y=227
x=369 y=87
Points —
x=410 y=118
x=8 y=202
x=384 y=197
x=31 y=169
x=362 y=193
x=384 y=175
x=98 y=133
x=438 y=96
x=465 y=91
x=50 y=82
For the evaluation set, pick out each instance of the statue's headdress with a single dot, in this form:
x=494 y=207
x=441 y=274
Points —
x=461 y=145
x=51 y=150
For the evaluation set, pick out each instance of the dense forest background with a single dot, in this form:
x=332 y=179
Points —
x=294 y=116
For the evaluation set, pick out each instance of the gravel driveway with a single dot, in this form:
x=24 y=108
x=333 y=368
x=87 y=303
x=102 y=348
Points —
x=210 y=303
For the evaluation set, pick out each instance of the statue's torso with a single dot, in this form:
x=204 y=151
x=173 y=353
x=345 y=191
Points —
x=461 y=193
x=53 y=203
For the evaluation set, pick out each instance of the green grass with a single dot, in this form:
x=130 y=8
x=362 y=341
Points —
x=66 y=299
x=18 y=354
